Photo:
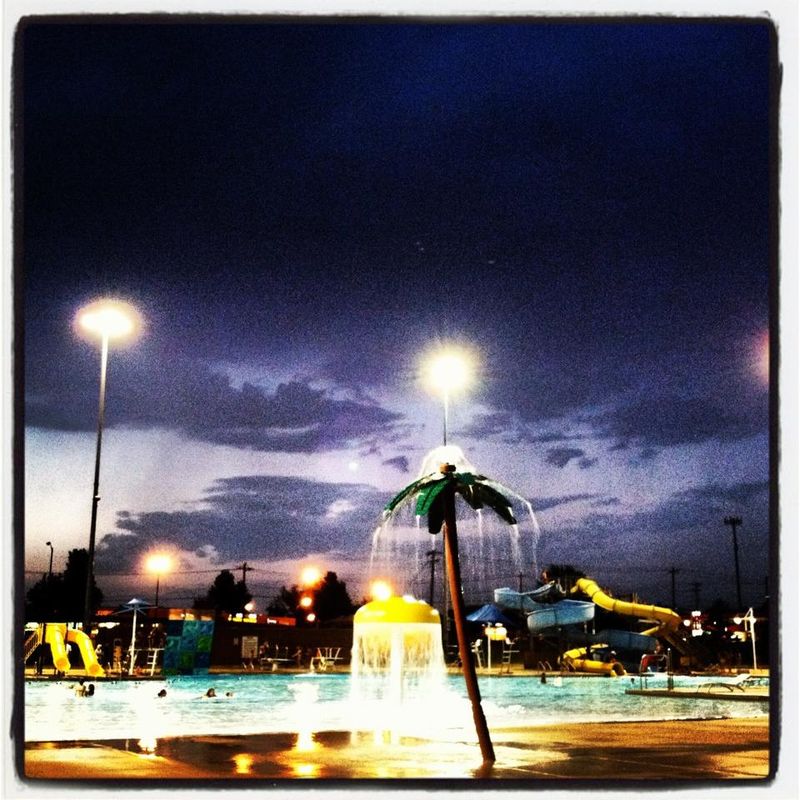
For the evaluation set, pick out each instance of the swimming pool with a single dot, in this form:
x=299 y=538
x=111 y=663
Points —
x=314 y=702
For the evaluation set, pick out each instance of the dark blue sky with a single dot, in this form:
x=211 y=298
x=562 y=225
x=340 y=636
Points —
x=301 y=210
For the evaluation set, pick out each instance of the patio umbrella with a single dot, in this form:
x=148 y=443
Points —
x=490 y=614
x=135 y=605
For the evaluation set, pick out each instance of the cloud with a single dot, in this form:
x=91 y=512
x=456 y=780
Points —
x=605 y=502
x=630 y=550
x=339 y=507
x=561 y=456
x=665 y=421
x=255 y=517
x=204 y=405
x=587 y=463
x=484 y=425
x=545 y=503
x=399 y=462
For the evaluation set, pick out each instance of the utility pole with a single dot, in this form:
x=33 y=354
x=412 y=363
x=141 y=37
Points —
x=520 y=575
x=673 y=571
x=245 y=569
x=733 y=522
x=696 y=590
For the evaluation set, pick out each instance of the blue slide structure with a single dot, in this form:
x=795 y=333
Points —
x=566 y=615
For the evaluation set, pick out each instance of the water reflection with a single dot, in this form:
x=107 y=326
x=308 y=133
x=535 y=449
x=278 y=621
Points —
x=305 y=714
x=306 y=770
x=243 y=763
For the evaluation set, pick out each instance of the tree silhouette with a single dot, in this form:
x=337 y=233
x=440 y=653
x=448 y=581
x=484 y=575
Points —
x=61 y=598
x=225 y=594
x=565 y=574
x=329 y=599
x=332 y=599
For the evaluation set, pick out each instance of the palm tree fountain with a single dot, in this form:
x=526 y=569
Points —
x=436 y=499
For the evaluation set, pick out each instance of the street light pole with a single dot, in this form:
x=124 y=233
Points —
x=749 y=620
x=40 y=664
x=50 y=568
x=87 y=601
x=733 y=522
x=446 y=403
x=106 y=319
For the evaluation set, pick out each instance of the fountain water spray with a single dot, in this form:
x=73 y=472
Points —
x=397 y=660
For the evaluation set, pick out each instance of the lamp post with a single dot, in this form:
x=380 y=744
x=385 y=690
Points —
x=50 y=568
x=159 y=564
x=49 y=595
x=106 y=319
x=750 y=625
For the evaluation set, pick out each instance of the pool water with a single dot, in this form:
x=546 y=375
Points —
x=314 y=702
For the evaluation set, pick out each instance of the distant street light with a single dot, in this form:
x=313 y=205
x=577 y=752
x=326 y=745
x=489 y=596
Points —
x=448 y=371
x=750 y=620
x=106 y=319
x=50 y=568
x=310 y=576
x=159 y=564
x=733 y=522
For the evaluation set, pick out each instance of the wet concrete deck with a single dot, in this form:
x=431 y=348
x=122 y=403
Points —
x=676 y=751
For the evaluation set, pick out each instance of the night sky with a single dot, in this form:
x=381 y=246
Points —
x=302 y=211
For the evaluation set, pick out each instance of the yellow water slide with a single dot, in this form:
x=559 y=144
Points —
x=577 y=659
x=665 y=617
x=86 y=649
x=58 y=634
x=54 y=636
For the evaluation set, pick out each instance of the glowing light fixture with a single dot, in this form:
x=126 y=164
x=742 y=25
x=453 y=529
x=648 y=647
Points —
x=159 y=564
x=380 y=590
x=310 y=576
x=109 y=319
x=449 y=370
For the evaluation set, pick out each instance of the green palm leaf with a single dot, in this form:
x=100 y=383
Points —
x=430 y=497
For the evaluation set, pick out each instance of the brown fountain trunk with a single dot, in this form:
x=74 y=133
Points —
x=464 y=651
